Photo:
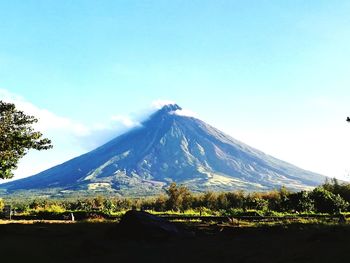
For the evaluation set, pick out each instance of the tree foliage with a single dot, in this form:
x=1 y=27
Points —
x=179 y=197
x=328 y=202
x=300 y=202
x=342 y=189
x=17 y=136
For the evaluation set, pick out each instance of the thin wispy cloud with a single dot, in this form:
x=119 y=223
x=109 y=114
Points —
x=126 y=121
x=48 y=121
x=79 y=137
x=65 y=133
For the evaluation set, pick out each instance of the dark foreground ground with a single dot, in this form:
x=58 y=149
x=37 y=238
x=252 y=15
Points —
x=101 y=242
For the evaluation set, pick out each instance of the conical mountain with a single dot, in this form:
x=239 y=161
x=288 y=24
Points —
x=165 y=148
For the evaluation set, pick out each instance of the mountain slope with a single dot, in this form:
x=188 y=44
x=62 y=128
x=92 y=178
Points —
x=169 y=147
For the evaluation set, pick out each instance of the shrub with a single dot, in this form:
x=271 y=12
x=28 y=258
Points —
x=335 y=187
x=327 y=202
x=235 y=199
x=179 y=197
x=300 y=202
x=2 y=204
x=256 y=202
x=55 y=208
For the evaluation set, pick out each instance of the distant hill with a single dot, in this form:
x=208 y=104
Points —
x=168 y=147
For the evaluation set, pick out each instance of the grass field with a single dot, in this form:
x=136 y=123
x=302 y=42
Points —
x=101 y=242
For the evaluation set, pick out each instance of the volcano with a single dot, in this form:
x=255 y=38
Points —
x=168 y=147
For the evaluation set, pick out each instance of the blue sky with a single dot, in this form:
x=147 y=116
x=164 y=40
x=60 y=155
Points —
x=274 y=74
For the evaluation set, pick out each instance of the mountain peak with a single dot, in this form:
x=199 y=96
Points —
x=170 y=108
x=167 y=148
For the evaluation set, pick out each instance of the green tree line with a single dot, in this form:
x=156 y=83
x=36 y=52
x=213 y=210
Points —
x=332 y=197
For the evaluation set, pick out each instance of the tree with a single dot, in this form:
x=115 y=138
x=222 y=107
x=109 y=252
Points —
x=17 y=136
x=301 y=202
x=327 y=202
x=342 y=189
x=256 y=202
x=179 y=197
x=210 y=200
x=235 y=199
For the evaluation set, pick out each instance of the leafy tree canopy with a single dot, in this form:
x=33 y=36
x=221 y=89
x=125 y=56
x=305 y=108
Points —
x=17 y=136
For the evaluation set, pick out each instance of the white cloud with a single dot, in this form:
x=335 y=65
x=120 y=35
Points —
x=321 y=145
x=46 y=120
x=125 y=120
x=187 y=113
x=322 y=148
x=70 y=137
x=49 y=122
x=74 y=135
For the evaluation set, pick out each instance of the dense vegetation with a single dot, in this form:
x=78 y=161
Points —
x=332 y=197
x=17 y=136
